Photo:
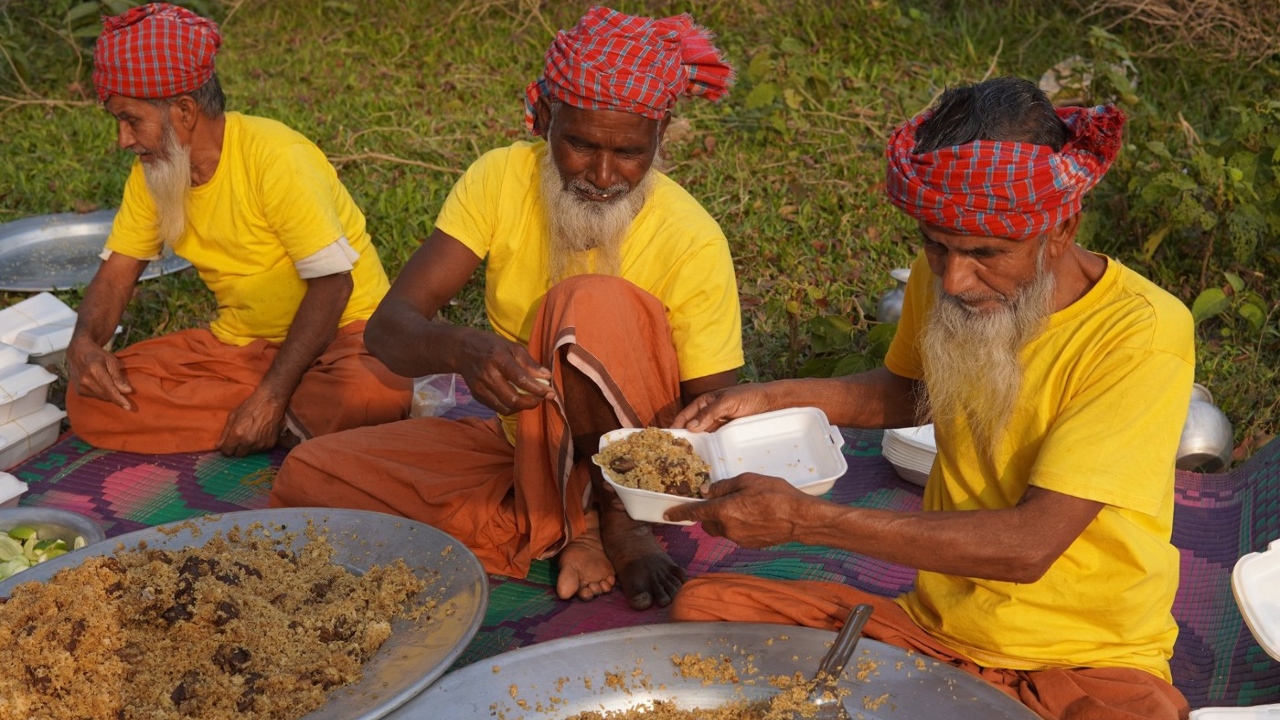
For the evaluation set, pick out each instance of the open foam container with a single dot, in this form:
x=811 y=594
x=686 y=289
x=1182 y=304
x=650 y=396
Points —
x=1255 y=581
x=796 y=444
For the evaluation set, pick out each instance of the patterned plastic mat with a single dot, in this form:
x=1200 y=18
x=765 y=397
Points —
x=1217 y=519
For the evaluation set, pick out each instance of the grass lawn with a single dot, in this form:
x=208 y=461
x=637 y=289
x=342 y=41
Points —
x=404 y=95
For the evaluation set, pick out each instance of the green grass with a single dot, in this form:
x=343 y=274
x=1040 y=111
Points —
x=403 y=95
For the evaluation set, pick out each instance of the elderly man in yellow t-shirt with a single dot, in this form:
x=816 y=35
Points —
x=1057 y=381
x=260 y=212
x=612 y=299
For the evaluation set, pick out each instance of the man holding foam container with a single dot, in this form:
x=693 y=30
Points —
x=261 y=214
x=1057 y=381
x=612 y=298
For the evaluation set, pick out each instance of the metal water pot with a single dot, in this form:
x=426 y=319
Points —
x=889 y=309
x=1207 y=440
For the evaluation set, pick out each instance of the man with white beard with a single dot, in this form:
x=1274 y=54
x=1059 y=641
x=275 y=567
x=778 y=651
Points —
x=1057 y=381
x=261 y=214
x=612 y=299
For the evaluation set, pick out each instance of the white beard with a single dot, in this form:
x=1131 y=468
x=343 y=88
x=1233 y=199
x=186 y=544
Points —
x=169 y=180
x=587 y=236
x=972 y=359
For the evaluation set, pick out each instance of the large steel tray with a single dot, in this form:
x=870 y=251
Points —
x=60 y=251
x=557 y=679
x=417 y=653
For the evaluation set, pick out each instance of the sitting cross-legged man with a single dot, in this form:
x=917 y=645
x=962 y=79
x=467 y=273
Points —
x=1057 y=381
x=612 y=299
x=260 y=212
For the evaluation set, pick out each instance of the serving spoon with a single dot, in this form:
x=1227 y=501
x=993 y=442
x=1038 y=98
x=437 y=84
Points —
x=824 y=698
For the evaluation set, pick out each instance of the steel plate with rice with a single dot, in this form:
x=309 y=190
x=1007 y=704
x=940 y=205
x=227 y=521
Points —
x=615 y=670
x=60 y=251
x=418 y=650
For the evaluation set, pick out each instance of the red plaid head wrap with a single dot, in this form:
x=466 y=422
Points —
x=612 y=61
x=154 y=51
x=1003 y=189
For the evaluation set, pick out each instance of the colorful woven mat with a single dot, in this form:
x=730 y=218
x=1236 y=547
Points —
x=1217 y=519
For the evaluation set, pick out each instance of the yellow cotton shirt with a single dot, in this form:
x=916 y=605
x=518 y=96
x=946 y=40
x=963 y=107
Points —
x=1099 y=417
x=674 y=251
x=274 y=199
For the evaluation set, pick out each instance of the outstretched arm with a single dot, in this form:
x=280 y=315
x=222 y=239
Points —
x=874 y=399
x=402 y=335
x=257 y=423
x=1016 y=544
x=94 y=372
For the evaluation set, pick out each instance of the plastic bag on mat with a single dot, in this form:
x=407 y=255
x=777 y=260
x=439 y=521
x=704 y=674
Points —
x=434 y=395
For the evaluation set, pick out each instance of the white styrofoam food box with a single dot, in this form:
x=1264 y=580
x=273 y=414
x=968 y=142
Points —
x=37 y=310
x=45 y=339
x=797 y=444
x=1255 y=580
x=1257 y=712
x=26 y=436
x=11 y=490
x=23 y=390
x=10 y=356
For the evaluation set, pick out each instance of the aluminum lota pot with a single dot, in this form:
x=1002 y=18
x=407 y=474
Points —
x=1207 y=439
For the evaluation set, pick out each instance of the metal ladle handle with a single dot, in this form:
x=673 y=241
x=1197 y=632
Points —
x=846 y=641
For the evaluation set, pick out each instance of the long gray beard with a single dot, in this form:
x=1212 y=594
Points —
x=972 y=360
x=169 y=181
x=587 y=236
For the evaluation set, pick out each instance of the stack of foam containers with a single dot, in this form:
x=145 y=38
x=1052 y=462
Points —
x=38 y=330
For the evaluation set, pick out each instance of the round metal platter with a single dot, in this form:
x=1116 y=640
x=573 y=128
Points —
x=60 y=251
x=557 y=679
x=417 y=652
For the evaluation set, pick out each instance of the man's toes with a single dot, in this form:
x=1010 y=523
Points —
x=591 y=591
x=640 y=601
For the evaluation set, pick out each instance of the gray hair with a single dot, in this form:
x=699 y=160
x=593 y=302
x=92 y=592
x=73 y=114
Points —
x=209 y=98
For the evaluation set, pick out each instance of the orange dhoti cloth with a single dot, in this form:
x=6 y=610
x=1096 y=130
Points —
x=509 y=505
x=1109 y=693
x=185 y=385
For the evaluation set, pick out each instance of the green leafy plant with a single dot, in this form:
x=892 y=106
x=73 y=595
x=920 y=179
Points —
x=1215 y=194
x=842 y=348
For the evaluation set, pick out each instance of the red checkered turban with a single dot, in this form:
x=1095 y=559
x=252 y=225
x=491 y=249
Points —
x=1003 y=189
x=612 y=61
x=154 y=51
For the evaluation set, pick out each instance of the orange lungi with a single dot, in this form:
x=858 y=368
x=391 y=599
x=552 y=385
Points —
x=187 y=384
x=509 y=505
x=1057 y=694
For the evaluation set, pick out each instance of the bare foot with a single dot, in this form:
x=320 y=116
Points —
x=585 y=570
x=647 y=574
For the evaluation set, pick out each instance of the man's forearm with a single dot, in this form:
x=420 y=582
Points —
x=1016 y=544
x=314 y=327
x=875 y=399
x=106 y=298
x=411 y=345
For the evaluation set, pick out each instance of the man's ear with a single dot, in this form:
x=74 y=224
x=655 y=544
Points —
x=184 y=112
x=542 y=116
x=662 y=127
x=1063 y=237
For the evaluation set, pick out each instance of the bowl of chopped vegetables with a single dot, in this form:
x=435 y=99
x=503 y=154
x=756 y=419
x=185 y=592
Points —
x=30 y=535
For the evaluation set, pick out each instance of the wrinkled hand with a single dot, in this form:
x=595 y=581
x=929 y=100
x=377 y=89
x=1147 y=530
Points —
x=502 y=375
x=254 y=426
x=711 y=410
x=96 y=373
x=754 y=511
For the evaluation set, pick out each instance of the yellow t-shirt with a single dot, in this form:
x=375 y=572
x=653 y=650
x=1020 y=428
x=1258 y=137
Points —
x=273 y=200
x=1099 y=417
x=674 y=251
